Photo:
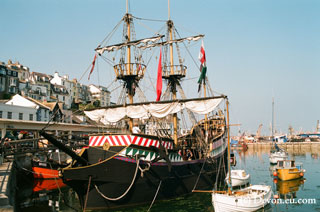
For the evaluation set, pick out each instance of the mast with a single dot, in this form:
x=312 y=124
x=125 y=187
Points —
x=229 y=168
x=272 y=124
x=172 y=79
x=130 y=94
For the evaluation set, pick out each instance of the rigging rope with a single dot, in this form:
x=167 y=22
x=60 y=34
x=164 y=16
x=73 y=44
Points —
x=111 y=33
x=121 y=196
x=146 y=19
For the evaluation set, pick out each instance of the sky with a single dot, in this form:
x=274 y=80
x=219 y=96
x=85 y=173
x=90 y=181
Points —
x=256 y=49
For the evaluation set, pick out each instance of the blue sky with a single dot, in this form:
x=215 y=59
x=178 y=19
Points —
x=256 y=49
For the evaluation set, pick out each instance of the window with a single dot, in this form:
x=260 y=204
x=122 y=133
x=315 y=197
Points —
x=0 y=114
x=20 y=116
x=31 y=117
x=9 y=115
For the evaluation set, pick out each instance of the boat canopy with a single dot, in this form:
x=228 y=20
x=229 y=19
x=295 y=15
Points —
x=153 y=109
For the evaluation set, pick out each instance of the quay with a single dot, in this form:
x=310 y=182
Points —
x=287 y=145
x=6 y=158
x=5 y=170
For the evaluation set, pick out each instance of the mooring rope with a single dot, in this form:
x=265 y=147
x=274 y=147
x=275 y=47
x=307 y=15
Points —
x=120 y=197
x=85 y=203
x=195 y=185
x=155 y=196
x=217 y=176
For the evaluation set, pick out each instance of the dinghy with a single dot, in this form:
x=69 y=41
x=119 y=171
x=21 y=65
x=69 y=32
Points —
x=238 y=178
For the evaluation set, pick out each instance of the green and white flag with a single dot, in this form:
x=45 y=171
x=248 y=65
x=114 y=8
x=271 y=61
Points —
x=203 y=67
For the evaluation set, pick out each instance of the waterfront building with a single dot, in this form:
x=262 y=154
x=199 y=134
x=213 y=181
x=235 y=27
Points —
x=41 y=80
x=9 y=82
x=80 y=92
x=101 y=94
x=66 y=86
x=23 y=71
x=19 y=108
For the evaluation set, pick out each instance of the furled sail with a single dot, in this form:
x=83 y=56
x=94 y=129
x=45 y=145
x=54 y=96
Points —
x=156 y=109
x=101 y=50
x=191 y=38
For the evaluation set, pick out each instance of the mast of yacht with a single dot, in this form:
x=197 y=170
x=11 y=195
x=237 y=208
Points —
x=272 y=124
x=229 y=167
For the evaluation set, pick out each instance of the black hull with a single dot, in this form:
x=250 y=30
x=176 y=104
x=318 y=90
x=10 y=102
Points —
x=113 y=178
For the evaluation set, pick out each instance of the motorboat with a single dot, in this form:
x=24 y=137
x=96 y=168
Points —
x=278 y=156
x=289 y=170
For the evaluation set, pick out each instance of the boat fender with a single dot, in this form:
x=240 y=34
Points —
x=301 y=174
x=275 y=173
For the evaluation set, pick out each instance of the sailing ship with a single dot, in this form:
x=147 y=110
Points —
x=122 y=169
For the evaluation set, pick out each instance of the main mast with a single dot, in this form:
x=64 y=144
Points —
x=174 y=75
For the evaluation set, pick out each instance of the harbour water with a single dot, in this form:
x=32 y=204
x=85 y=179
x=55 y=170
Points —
x=255 y=162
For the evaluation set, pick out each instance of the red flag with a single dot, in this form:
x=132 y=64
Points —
x=159 y=79
x=93 y=63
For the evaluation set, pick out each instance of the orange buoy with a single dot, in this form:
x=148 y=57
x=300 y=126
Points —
x=301 y=174
x=276 y=196
x=275 y=180
x=275 y=173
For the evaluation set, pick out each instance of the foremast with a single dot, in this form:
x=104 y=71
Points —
x=130 y=73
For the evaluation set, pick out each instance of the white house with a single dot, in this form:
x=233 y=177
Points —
x=18 y=108
x=65 y=86
x=21 y=108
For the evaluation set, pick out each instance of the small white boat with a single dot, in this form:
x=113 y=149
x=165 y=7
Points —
x=238 y=178
x=251 y=198
x=278 y=156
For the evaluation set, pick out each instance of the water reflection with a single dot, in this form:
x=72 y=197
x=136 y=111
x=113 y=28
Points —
x=289 y=189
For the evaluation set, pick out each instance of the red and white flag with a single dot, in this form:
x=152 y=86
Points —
x=202 y=55
x=159 y=79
